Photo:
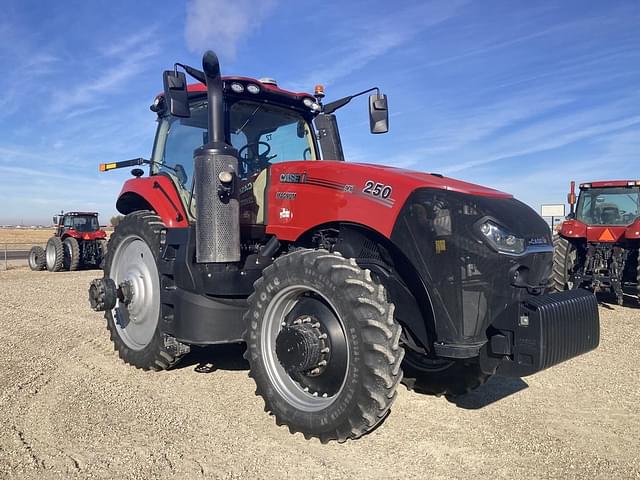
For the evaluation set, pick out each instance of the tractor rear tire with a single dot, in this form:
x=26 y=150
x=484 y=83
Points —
x=449 y=378
x=102 y=249
x=564 y=260
x=134 y=325
x=37 y=260
x=342 y=378
x=54 y=254
x=71 y=254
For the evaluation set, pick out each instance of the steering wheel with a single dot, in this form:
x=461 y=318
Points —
x=261 y=156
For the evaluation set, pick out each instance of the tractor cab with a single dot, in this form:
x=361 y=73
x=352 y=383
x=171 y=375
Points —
x=263 y=123
x=608 y=205
x=80 y=222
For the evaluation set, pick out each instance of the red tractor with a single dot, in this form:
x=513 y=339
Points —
x=78 y=242
x=598 y=246
x=339 y=277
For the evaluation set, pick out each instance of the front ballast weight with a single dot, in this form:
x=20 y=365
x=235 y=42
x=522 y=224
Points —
x=104 y=294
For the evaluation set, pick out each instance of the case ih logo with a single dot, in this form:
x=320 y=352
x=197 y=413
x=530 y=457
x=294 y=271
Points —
x=538 y=241
x=293 y=177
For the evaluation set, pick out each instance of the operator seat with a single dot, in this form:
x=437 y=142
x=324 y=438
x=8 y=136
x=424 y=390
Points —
x=609 y=214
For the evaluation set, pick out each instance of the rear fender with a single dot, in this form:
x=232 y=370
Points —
x=156 y=193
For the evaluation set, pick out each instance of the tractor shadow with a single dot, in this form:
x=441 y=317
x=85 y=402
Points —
x=497 y=388
x=608 y=301
x=215 y=357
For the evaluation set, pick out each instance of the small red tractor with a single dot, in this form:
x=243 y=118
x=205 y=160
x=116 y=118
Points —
x=78 y=242
x=598 y=246
x=339 y=277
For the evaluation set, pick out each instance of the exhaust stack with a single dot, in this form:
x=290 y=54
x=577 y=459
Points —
x=215 y=168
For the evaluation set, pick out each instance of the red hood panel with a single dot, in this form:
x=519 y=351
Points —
x=305 y=194
x=414 y=179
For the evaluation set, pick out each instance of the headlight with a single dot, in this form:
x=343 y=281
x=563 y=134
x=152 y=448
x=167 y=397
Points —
x=501 y=240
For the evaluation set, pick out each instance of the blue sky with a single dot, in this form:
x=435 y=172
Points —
x=518 y=95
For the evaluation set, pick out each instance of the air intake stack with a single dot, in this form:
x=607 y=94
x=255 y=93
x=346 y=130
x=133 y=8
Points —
x=215 y=167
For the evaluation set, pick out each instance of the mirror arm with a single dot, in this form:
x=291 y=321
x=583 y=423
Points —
x=335 y=105
x=194 y=72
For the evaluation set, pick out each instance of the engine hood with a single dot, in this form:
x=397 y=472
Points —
x=414 y=180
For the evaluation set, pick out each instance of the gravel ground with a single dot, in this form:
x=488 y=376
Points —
x=71 y=409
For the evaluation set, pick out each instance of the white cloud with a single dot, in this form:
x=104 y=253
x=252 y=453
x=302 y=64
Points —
x=119 y=62
x=371 y=38
x=221 y=25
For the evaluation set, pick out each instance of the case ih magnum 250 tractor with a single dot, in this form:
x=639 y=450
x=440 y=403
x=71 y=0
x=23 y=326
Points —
x=598 y=246
x=78 y=242
x=339 y=277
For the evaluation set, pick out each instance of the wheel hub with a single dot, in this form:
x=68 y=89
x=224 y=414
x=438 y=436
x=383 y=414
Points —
x=301 y=347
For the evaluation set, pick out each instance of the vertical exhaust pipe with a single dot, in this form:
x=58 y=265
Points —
x=215 y=168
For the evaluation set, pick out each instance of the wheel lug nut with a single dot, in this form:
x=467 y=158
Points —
x=324 y=395
x=322 y=363
x=306 y=389
x=315 y=371
x=322 y=336
x=325 y=350
x=316 y=325
x=297 y=322
x=315 y=394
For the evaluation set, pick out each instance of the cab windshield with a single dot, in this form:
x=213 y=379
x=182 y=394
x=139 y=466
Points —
x=85 y=224
x=609 y=206
x=262 y=133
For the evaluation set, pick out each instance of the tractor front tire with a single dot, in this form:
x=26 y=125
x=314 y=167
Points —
x=564 y=260
x=134 y=323
x=37 y=260
x=54 y=254
x=71 y=254
x=323 y=345
x=450 y=378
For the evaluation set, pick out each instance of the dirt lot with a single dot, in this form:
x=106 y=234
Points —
x=71 y=409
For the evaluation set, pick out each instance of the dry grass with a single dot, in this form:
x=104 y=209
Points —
x=24 y=238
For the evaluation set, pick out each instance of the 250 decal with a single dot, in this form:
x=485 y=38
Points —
x=375 y=189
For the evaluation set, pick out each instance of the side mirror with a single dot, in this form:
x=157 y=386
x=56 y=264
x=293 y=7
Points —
x=175 y=93
x=55 y=220
x=378 y=113
x=571 y=216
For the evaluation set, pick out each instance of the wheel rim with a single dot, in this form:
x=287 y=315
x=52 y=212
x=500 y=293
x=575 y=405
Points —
x=32 y=259
x=50 y=255
x=136 y=321
x=308 y=391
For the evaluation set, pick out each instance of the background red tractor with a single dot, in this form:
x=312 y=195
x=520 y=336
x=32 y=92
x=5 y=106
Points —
x=78 y=242
x=597 y=247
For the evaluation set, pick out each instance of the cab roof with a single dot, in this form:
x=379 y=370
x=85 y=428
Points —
x=610 y=183
x=200 y=87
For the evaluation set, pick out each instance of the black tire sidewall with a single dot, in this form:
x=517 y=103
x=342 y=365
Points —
x=73 y=261
x=331 y=422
